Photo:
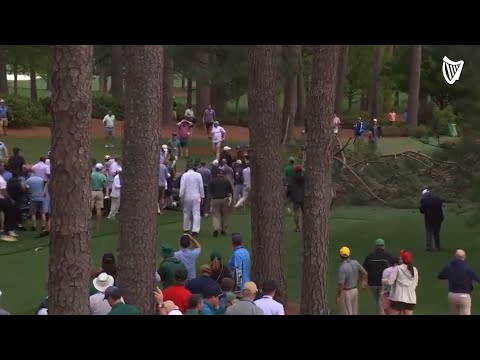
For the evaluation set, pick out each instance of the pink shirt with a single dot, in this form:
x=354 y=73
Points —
x=183 y=130
x=41 y=169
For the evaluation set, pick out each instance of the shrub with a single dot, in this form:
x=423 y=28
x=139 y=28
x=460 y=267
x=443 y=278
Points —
x=23 y=112
x=101 y=104
x=442 y=118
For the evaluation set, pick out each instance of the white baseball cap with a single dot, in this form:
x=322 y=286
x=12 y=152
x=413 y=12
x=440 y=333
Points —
x=164 y=147
x=215 y=162
x=107 y=157
x=374 y=120
x=175 y=312
x=425 y=191
x=2 y=100
x=99 y=166
x=226 y=148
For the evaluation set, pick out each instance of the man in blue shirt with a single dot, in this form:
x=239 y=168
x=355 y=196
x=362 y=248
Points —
x=239 y=263
x=3 y=117
x=188 y=256
x=460 y=277
x=35 y=185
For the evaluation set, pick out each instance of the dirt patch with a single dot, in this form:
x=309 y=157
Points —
x=234 y=133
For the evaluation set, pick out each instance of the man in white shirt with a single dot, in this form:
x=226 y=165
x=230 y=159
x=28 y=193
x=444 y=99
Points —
x=191 y=195
x=189 y=114
x=266 y=302
x=111 y=172
x=218 y=135
x=115 y=195
x=336 y=124
x=109 y=123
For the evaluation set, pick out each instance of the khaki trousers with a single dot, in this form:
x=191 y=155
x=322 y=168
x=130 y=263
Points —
x=220 y=212
x=459 y=304
x=349 y=302
x=377 y=296
x=114 y=206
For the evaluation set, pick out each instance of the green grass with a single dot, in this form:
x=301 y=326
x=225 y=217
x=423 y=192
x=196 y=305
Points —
x=23 y=272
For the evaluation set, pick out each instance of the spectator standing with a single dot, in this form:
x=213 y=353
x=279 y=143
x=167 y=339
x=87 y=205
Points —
x=266 y=302
x=219 y=271
x=177 y=291
x=169 y=266
x=222 y=192
x=114 y=297
x=239 y=263
x=246 y=305
x=109 y=123
x=188 y=256
x=431 y=206
x=3 y=117
x=208 y=119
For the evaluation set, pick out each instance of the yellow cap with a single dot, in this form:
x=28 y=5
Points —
x=344 y=252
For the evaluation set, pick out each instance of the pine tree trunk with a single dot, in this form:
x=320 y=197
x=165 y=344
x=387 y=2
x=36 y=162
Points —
x=15 y=78
x=318 y=180
x=167 y=95
x=117 y=72
x=363 y=101
x=3 y=72
x=69 y=247
x=266 y=161
x=375 y=85
x=414 y=84
x=299 y=118
x=33 y=79
x=102 y=79
x=291 y=96
x=50 y=67
x=183 y=82
x=138 y=218
x=341 y=75
x=189 y=91
x=202 y=89
x=388 y=91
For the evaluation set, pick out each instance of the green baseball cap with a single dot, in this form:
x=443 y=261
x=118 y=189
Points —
x=379 y=242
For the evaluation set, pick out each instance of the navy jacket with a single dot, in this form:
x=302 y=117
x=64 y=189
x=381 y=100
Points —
x=431 y=206
x=460 y=277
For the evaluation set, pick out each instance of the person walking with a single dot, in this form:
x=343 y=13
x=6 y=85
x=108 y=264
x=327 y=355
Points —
x=218 y=136
x=460 y=277
x=208 y=119
x=163 y=175
x=115 y=195
x=246 y=187
x=191 y=195
x=375 y=263
x=98 y=182
x=349 y=274
x=3 y=117
x=386 y=289
x=403 y=281
x=109 y=123
x=188 y=256
x=184 y=132
x=295 y=193
x=358 y=129
x=431 y=206
x=221 y=191
x=237 y=181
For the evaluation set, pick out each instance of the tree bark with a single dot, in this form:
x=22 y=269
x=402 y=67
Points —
x=397 y=98
x=189 y=91
x=15 y=78
x=33 y=78
x=218 y=100
x=69 y=248
x=167 y=107
x=202 y=89
x=318 y=180
x=341 y=75
x=414 y=84
x=50 y=67
x=117 y=72
x=291 y=96
x=375 y=85
x=299 y=118
x=388 y=90
x=363 y=101
x=138 y=218
x=102 y=79
x=183 y=82
x=266 y=161
x=3 y=72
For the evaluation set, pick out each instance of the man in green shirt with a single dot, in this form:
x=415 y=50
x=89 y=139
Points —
x=289 y=171
x=114 y=297
x=109 y=123
x=98 y=181
x=174 y=144
x=169 y=266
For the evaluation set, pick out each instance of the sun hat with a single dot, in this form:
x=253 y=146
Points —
x=344 y=251
x=103 y=281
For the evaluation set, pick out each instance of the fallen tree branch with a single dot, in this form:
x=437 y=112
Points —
x=361 y=181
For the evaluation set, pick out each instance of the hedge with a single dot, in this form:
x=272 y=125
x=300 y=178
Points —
x=23 y=112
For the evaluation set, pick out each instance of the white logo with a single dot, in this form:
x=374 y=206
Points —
x=452 y=70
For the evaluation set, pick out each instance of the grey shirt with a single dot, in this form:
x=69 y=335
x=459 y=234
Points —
x=162 y=175
x=348 y=273
x=206 y=175
x=244 y=307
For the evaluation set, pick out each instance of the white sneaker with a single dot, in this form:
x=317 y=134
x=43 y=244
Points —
x=12 y=233
x=8 y=238
x=106 y=146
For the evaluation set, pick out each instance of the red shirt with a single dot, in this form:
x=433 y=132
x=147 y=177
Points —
x=179 y=295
